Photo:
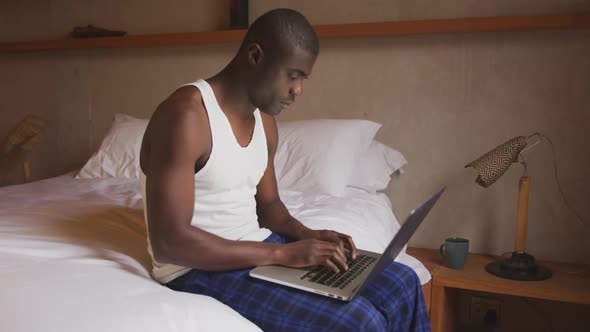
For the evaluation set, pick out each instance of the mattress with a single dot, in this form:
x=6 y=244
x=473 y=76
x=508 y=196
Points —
x=73 y=257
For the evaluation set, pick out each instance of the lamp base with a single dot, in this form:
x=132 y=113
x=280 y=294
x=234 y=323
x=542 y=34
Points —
x=521 y=266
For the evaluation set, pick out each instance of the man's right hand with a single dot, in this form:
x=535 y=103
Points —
x=312 y=252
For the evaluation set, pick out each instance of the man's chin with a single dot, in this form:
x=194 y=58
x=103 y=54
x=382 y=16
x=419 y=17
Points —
x=274 y=111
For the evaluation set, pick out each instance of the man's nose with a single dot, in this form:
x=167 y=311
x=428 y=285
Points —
x=297 y=90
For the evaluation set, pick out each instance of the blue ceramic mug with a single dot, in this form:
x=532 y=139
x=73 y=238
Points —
x=456 y=252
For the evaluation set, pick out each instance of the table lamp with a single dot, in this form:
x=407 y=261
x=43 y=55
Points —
x=21 y=140
x=490 y=167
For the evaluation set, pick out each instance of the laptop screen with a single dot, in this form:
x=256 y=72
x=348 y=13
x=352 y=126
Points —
x=402 y=237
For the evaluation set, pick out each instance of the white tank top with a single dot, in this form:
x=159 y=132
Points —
x=225 y=187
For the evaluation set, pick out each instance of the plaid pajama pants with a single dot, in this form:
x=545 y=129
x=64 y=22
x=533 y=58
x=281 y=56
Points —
x=392 y=302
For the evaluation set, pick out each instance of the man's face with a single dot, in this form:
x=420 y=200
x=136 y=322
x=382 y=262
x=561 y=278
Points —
x=281 y=80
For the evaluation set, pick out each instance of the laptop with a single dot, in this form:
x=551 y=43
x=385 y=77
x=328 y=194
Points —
x=345 y=285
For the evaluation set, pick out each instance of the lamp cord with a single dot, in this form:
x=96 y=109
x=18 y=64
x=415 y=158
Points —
x=578 y=216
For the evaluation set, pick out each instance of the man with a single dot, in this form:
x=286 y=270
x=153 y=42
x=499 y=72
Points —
x=212 y=204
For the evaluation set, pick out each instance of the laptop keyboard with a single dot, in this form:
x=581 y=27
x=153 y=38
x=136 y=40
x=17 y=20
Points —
x=325 y=276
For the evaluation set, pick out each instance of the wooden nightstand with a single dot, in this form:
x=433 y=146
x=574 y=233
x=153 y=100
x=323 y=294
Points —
x=569 y=283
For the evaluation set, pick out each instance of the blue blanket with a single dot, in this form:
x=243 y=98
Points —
x=392 y=302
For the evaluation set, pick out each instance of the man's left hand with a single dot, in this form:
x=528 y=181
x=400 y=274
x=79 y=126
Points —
x=343 y=240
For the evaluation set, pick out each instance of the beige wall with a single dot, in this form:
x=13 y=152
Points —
x=444 y=99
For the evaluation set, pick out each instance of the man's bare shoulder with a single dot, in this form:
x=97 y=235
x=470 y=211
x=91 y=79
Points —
x=186 y=101
x=178 y=126
x=183 y=110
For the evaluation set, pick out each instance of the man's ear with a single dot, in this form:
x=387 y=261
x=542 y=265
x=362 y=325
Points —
x=255 y=54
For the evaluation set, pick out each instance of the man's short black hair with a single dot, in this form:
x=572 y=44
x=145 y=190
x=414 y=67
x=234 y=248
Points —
x=279 y=29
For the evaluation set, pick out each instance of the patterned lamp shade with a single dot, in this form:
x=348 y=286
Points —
x=492 y=165
x=24 y=136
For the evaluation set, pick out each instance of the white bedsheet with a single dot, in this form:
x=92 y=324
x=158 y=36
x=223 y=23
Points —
x=73 y=257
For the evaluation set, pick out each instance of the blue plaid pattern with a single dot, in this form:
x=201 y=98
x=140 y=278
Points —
x=393 y=302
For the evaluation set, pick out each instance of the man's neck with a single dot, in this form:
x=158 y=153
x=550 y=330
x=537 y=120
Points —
x=231 y=92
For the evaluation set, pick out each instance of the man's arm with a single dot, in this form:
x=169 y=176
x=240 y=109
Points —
x=273 y=214
x=177 y=139
x=178 y=136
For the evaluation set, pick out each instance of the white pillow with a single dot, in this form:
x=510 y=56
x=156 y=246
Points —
x=118 y=155
x=318 y=155
x=373 y=170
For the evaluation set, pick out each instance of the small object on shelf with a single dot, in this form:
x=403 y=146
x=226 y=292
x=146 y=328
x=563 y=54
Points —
x=238 y=14
x=92 y=31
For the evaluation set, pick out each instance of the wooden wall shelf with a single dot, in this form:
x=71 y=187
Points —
x=475 y=24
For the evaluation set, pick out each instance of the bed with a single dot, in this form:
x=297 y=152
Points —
x=73 y=250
